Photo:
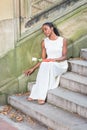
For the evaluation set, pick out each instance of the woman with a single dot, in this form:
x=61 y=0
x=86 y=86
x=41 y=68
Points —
x=54 y=63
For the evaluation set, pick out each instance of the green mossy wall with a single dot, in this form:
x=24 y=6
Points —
x=16 y=61
x=26 y=50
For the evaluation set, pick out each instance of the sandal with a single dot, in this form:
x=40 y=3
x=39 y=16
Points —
x=41 y=102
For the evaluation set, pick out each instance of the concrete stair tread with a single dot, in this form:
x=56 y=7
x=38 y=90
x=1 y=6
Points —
x=78 y=66
x=75 y=77
x=78 y=62
x=20 y=125
x=76 y=98
x=50 y=115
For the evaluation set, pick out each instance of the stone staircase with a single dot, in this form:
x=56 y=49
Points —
x=66 y=107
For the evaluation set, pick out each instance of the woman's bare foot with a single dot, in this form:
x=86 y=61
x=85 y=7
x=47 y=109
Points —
x=41 y=102
x=29 y=99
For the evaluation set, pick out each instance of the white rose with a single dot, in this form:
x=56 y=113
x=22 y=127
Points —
x=34 y=59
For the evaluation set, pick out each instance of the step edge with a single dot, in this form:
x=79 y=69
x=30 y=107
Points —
x=69 y=99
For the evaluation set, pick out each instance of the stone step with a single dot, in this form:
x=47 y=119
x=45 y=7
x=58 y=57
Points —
x=50 y=115
x=70 y=101
x=78 y=66
x=74 y=82
x=10 y=124
x=83 y=53
x=30 y=85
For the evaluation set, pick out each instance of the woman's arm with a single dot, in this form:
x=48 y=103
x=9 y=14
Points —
x=64 y=52
x=31 y=70
x=43 y=50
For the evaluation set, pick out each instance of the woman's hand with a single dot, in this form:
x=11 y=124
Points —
x=29 y=72
x=48 y=60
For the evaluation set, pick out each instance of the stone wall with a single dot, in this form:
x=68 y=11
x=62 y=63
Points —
x=6 y=36
x=6 y=27
x=6 y=9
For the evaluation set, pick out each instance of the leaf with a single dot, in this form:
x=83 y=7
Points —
x=50 y=129
x=31 y=121
x=19 y=118
x=12 y=115
x=5 y=113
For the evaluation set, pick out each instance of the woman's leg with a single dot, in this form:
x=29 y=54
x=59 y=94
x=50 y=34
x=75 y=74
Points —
x=39 y=90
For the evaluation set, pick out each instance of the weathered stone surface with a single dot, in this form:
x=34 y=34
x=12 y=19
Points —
x=74 y=82
x=78 y=66
x=10 y=125
x=52 y=116
x=3 y=99
x=70 y=101
x=83 y=53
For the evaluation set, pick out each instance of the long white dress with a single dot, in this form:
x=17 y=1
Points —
x=49 y=72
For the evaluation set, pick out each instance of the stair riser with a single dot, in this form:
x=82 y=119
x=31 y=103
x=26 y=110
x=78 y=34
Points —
x=67 y=105
x=83 y=54
x=30 y=85
x=36 y=115
x=73 y=86
x=82 y=70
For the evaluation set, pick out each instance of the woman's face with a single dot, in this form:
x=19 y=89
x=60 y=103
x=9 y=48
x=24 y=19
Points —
x=47 y=30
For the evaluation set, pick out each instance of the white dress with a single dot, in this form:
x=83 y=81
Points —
x=49 y=72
